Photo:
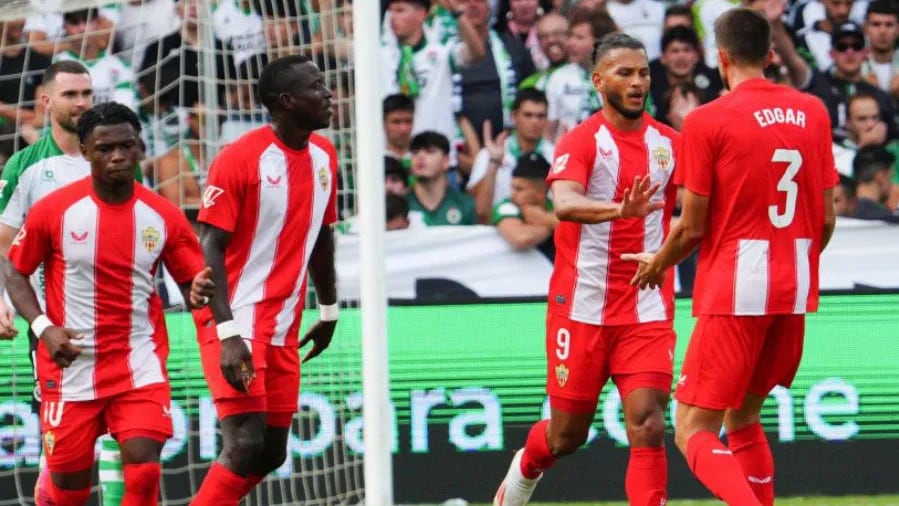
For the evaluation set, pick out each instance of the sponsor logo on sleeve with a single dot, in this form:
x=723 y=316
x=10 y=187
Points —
x=210 y=195
x=20 y=236
x=560 y=163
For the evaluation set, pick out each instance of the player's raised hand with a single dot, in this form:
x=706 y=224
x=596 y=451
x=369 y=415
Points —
x=636 y=201
x=7 y=321
x=202 y=289
x=237 y=363
x=60 y=345
x=320 y=334
x=648 y=275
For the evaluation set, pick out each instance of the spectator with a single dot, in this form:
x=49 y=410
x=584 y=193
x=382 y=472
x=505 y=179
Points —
x=873 y=173
x=806 y=13
x=526 y=219
x=238 y=26
x=141 y=23
x=518 y=25
x=468 y=145
x=397 y=209
x=178 y=172
x=569 y=91
x=244 y=112
x=817 y=38
x=705 y=12
x=680 y=81
x=396 y=177
x=162 y=122
x=677 y=15
x=20 y=74
x=47 y=35
x=882 y=29
x=431 y=194
x=864 y=127
x=552 y=32
x=641 y=19
x=491 y=175
x=845 y=79
x=423 y=69
x=844 y=197
x=788 y=66
x=112 y=77
x=337 y=30
x=489 y=84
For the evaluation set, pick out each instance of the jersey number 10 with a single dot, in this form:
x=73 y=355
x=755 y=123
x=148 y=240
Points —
x=786 y=184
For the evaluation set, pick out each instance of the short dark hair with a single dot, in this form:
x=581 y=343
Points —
x=396 y=207
x=107 y=113
x=616 y=40
x=393 y=167
x=424 y=4
x=75 y=17
x=398 y=102
x=63 y=67
x=744 y=35
x=601 y=23
x=678 y=10
x=683 y=34
x=847 y=183
x=890 y=7
x=531 y=166
x=276 y=79
x=861 y=95
x=430 y=139
x=869 y=161
x=529 y=95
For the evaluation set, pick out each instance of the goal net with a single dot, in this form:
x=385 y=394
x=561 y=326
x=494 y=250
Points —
x=189 y=68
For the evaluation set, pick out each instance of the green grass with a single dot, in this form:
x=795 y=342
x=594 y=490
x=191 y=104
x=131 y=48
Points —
x=882 y=500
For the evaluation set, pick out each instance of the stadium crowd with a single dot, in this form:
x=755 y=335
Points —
x=476 y=91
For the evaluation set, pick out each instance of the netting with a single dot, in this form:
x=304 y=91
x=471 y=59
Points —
x=189 y=69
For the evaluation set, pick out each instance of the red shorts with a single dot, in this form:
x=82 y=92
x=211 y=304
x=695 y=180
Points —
x=275 y=390
x=70 y=428
x=581 y=357
x=731 y=355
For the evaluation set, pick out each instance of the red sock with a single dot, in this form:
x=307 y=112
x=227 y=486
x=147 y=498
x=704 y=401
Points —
x=221 y=487
x=647 y=477
x=252 y=481
x=141 y=484
x=62 y=497
x=750 y=447
x=537 y=457
x=718 y=470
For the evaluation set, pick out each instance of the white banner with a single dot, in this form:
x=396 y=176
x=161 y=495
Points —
x=456 y=263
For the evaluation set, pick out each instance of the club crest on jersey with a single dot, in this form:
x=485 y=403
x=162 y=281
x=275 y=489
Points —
x=323 y=177
x=150 y=238
x=560 y=163
x=561 y=375
x=662 y=157
x=49 y=442
x=210 y=194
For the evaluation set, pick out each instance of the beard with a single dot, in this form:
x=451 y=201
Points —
x=616 y=100
x=67 y=124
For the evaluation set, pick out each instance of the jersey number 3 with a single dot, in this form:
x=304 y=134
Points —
x=793 y=159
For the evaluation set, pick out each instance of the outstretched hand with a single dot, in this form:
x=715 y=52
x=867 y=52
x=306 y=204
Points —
x=636 y=202
x=320 y=334
x=648 y=274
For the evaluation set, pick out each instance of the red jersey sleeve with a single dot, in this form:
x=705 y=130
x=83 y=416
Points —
x=574 y=158
x=331 y=211
x=225 y=188
x=181 y=254
x=696 y=159
x=31 y=246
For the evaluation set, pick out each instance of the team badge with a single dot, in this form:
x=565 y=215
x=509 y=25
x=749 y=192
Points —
x=49 y=175
x=662 y=157
x=560 y=163
x=561 y=375
x=454 y=216
x=150 y=238
x=323 y=178
x=49 y=442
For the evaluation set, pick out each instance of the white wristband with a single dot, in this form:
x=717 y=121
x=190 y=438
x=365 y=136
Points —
x=328 y=313
x=227 y=329
x=40 y=324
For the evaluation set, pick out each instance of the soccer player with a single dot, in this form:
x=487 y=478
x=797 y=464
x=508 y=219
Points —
x=611 y=192
x=758 y=174
x=101 y=357
x=265 y=218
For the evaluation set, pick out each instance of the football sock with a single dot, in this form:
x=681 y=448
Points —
x=750 y=448
x=142 y=484
x=537 y=457
x=647 y=477
x=718 y=470
x=221 y=487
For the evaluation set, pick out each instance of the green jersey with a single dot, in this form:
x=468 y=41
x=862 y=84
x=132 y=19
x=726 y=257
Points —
x=507 y=209
x=456 y=208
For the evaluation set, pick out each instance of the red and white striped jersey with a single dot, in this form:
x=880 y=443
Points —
x=762 y=154
x=274 y=201
x=590 y=283
x=100 y=262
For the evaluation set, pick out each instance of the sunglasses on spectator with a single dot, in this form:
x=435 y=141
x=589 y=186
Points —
x=843 y=46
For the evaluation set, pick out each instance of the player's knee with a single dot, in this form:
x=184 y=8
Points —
x=566 y=441
x=272 y=459
x=143 y=479
x=246 y=447
x=647 y=429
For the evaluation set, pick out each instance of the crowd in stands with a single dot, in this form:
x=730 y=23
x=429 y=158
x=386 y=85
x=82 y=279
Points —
x=477 y=92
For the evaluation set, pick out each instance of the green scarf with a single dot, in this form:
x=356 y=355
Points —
x=506 y=73
x=405 y=73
